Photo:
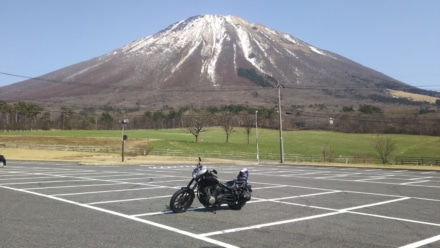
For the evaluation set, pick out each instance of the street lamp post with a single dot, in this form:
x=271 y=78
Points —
x=124 y=137
x=256 y=134
x=281 y=123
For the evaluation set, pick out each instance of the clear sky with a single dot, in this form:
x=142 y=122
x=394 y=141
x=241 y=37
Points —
x=400 y=38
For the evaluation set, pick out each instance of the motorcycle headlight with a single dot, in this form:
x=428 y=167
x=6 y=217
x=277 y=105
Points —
x=200 y=170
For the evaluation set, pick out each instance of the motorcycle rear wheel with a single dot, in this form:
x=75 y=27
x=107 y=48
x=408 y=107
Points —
x=181 y=200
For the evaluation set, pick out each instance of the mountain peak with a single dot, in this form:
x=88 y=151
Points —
x=210 y=35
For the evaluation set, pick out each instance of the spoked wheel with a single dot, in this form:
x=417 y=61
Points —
x=181 y=200
x=237 y=205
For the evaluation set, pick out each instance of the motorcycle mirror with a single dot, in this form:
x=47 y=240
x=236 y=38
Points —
x=200 y=159
x=214 y=171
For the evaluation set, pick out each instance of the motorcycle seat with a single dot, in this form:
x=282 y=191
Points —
x=231 y=184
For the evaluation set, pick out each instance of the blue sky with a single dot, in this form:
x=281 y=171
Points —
x=400 y=38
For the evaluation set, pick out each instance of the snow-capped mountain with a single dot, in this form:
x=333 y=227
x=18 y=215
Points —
x=206 y=60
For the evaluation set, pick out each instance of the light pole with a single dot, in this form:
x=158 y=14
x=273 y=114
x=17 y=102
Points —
x=124 y=137
x=256 y=134
x=281 y=123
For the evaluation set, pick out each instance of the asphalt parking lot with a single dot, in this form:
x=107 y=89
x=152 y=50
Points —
x=68 y=205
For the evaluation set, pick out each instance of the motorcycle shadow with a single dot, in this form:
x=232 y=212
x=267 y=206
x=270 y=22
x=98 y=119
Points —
x=202 y=209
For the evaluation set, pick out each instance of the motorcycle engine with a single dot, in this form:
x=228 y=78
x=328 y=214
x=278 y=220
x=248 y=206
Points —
x=245 y=195
x=213 y=195
x=211 y=200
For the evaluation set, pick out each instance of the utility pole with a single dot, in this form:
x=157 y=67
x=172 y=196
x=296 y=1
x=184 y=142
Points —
x=256 y=134
x=281 y=123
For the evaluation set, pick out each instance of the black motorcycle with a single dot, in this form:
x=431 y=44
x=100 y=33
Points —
x=210 y=192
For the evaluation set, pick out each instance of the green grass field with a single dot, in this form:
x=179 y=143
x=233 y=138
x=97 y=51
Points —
x=295 y=142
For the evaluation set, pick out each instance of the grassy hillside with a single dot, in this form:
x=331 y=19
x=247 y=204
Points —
x=213 y=139
x=413 y=96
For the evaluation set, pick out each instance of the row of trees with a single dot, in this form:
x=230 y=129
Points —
x=364 y=119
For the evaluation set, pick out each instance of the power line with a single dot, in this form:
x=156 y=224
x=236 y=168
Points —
x=222 y=88
x=33 y=78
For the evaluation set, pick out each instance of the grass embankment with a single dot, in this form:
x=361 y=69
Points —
x=213 y=139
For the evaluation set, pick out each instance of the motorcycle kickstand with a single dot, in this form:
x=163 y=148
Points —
x=215 y=209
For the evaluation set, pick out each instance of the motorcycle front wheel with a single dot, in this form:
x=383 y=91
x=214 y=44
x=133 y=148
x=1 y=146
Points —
x=181 y=200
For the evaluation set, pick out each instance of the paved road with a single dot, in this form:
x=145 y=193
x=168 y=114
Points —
x=67 y=205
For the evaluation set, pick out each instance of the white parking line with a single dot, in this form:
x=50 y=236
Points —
x=23 y=178
x=422 y=242
x=375 y=204
x=395 y=218
x=127 y=200
x=341 y=211
x=268 y=224
x=58 y=181
x=296 y=196
x=107 y=191
x=271 y=187
x=75 y=186
x=338 y=175
x=414 y=182
x=420 y=178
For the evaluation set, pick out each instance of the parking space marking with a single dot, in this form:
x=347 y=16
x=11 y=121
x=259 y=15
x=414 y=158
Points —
x=259 y=226
x=422 y=242
x=128 y=200
x=270 y=187
x=337 y=211
x=337 y=175
x=296 y=196
x=78 y=179
x=374 y=204
x=75 y=186
x=394 y=218
x=163 y=212
x=420 y=178
x=414 y=182
x=36 y=182
x=369 y=178
x=106 y=191
x=24 y=178
x=428 y=172
x=285 y=185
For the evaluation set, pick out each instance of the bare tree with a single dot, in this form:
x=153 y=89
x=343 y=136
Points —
x=227 y=122
x=67 y=114
x=195 y=125
x=248 y=123
x=384 y=146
